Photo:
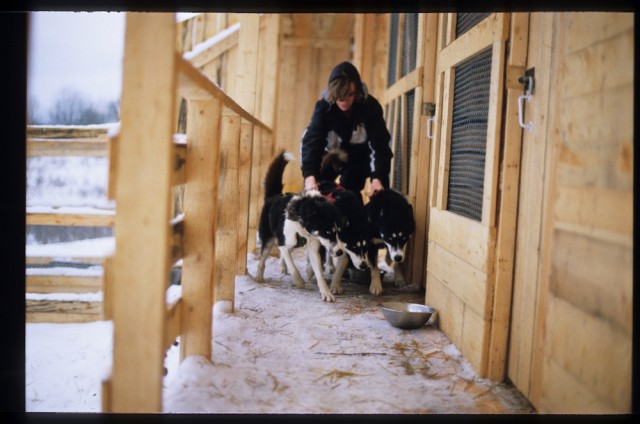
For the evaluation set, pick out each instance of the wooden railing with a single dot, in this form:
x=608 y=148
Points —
x=210 y=236
x=50 y=294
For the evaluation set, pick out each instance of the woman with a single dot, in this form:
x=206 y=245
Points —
x=349 y=118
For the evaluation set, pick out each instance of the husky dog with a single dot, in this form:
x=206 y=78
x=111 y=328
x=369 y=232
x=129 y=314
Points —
x=355 y=235
x=392 y=223
x=286 y=218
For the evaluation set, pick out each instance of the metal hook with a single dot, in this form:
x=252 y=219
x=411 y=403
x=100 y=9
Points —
x=521 y=100
x=429 y=125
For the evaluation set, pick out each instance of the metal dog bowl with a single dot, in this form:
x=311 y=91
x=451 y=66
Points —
x=407 y=315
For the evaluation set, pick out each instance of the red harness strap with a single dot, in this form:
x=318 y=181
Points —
x=330 y=196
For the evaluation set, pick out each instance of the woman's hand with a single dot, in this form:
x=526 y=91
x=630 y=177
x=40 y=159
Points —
x=375 y=187
x=310 y=183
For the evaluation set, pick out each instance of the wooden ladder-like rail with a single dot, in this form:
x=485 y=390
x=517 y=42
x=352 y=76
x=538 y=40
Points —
x=215 y=165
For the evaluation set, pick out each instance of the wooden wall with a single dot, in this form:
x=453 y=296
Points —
x=582 y=338
x=311 y=45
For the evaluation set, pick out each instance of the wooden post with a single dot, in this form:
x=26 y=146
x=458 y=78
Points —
x=201 y=206
x=510 y=178
x=244 y=189
x=227 y=231
x=140 y=265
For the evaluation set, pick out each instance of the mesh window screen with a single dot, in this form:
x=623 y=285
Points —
x=393 y=50
x=466 y=21
x=409 y=43
x=469 y=136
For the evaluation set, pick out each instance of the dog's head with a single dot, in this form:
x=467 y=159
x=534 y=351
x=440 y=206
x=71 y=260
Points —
x=319 y=219
x=356 y=240
x=395 y=225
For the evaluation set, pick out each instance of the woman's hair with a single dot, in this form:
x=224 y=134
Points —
x=339 y=88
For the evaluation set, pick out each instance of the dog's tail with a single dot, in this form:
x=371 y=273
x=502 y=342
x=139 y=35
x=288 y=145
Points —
x=332 y=164
x=273 y=180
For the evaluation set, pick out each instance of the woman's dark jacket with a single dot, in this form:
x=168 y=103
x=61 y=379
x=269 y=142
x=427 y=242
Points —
x=362 y=134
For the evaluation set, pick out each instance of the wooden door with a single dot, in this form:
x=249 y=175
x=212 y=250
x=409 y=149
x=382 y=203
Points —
x=463 y=226
x=409 y=90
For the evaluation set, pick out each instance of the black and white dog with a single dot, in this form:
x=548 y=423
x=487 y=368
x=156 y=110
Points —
x=392 y=223
x=355 y=234
x=285 y=217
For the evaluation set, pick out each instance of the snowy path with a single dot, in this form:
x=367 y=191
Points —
x=283 y=350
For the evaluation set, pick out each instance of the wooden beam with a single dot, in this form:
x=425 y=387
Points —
x=201 y=208
x=62 y=312
x=76 y=147
x=63 y=284
x=244 y=191
x=508 y=207
x=227 y=230
x=72 y=219
x=141 y=261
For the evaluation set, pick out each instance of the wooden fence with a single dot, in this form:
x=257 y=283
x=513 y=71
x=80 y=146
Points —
x=57 y=141
x=216 y=166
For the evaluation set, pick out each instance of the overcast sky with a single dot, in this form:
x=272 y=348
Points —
x=79 y=50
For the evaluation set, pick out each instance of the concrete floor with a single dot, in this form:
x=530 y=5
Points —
x=283 y=350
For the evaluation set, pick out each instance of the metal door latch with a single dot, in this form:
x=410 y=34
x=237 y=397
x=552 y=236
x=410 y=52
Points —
x=528 y=81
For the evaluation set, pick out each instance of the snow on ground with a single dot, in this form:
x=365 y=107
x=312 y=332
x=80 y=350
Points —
x=282 y=350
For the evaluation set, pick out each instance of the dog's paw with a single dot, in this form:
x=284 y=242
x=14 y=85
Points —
x=399 y=281
x=299 y=282
x=336 y=288
x=327 y=296
x=258 y=279
x=375 y=288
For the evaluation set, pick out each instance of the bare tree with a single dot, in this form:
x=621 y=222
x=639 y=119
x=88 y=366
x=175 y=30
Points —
x=69 y=108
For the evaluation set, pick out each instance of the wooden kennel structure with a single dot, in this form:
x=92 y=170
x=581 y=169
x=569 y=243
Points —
x=531 y=272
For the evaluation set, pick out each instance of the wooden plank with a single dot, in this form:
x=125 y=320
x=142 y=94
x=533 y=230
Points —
x=591 y=28
x=227 y=230
x=247 y=65
x=437 y=144
x=72 y=219
x=602 y=366
x=534 y=186
x=494 y=135
x=422 y=168
x=508 y=207
x=474 y=344
x=244 y=187
x=465 y=281
x=224 y=41
x=444 y=140
x=256 y=193
x=450 y=308
x=603 y=66
x=553 y=33
x=76 y=147
x=268 y=69
x=463 y=237
x=562 y=389
x=601 y=213
x=201 y=208
x=480 y=37
x=114 y=143
x=62 y=312
x=604 y=287
x=193 y=84
x=63 y=284
x=407 y=83
x=68 y=131
x=141 y=261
